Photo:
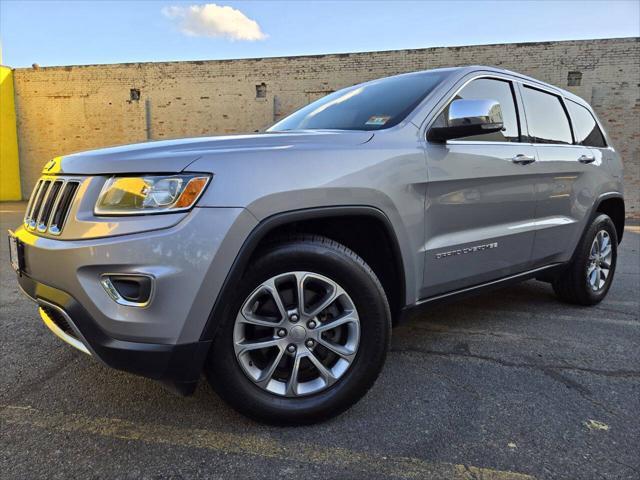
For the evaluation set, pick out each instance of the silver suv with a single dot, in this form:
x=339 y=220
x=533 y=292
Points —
x=276 y=263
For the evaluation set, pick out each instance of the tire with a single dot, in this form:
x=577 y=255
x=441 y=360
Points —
x=575 y=284
x=324 y=265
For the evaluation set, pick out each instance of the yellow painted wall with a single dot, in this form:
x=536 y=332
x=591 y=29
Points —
x=9 y=164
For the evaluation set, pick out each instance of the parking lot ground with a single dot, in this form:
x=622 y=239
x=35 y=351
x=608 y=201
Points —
x=509 y=385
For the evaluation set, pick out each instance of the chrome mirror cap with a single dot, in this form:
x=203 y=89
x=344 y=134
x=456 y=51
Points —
x=484 y=113
x=465 y=118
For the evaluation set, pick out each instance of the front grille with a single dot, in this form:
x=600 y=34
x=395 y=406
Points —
x=49 y=204
x=57 y=318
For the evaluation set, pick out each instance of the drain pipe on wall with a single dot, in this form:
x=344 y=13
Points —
x=147 y=117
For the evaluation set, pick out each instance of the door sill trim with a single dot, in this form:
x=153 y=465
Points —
x=518 y=277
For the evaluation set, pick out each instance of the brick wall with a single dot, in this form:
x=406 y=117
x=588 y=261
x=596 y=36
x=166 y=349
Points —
x=65 y=109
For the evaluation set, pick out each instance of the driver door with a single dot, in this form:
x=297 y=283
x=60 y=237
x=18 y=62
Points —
x=480 y=205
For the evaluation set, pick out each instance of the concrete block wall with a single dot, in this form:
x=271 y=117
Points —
x=65 y=109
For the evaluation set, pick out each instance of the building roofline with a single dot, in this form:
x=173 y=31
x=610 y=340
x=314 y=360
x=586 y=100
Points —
x=337 y=54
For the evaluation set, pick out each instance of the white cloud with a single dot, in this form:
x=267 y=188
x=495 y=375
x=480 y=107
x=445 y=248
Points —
x=211 y=20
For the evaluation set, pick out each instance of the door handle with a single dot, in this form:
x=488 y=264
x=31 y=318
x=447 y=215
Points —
x=522 y=159
x=586 y=159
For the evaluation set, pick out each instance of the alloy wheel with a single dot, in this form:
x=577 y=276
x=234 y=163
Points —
x=296 y=334
x=600 y=258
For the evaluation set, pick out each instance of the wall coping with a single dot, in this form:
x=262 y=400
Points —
x=337 y=55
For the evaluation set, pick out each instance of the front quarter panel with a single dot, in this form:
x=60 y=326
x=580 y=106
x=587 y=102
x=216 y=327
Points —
x=387 y=173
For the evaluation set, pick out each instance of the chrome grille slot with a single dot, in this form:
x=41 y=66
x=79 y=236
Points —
x=62 y=207
x=50 y=204
x=47 y=208
x=37 y=204
x=32 y=200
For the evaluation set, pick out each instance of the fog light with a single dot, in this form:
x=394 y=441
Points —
x=129 y=289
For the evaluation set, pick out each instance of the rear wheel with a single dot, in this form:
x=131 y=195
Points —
x=304 y=337
x=588 y=277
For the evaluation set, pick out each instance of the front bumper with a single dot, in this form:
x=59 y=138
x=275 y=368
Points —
x=177 y=366
x=162 y=340
x=188 y=263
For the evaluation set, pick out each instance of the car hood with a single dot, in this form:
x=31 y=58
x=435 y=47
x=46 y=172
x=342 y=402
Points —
x=170 y=156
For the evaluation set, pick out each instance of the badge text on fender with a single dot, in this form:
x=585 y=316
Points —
x=464 y=251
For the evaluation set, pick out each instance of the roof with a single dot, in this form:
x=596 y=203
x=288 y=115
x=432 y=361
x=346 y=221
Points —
x=462 y=71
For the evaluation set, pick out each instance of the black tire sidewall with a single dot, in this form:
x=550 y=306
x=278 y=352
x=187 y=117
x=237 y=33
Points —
x=581 y=262
x=351 y=273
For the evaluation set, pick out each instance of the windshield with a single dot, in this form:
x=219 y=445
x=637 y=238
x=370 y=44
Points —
x=370 y=106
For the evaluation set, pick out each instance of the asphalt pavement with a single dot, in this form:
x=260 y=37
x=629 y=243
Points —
x=509 y=385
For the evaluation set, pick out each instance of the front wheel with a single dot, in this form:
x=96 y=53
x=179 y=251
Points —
x=588 y=276
x=305 y=335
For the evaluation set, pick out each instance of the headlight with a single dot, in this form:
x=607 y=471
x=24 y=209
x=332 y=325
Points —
x=150 y=194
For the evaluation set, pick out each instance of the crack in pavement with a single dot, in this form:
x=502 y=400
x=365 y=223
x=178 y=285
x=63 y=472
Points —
x=484 y=310
x=506 y=363
x=548 y=370
x=633 y=469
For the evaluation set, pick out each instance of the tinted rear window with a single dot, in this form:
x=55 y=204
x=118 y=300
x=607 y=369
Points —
x=585 y=128
x=370 y=106
x=547 y=120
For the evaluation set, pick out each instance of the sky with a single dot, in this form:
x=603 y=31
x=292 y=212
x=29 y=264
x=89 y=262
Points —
x=88 y=32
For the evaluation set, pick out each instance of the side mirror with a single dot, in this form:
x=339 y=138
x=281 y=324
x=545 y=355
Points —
x=464 y=118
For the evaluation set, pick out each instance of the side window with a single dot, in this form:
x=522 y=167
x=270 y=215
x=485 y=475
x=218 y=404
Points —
x=585 y=127
x=547 y=120
x=492 y=89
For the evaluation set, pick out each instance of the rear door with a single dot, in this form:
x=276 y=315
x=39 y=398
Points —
x=480 y=205
x=566 y=170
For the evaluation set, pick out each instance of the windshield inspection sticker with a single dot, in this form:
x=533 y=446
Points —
x=378 y=120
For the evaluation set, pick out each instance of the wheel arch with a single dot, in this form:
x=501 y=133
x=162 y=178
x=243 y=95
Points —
x=612 y=204
x=271 y=226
